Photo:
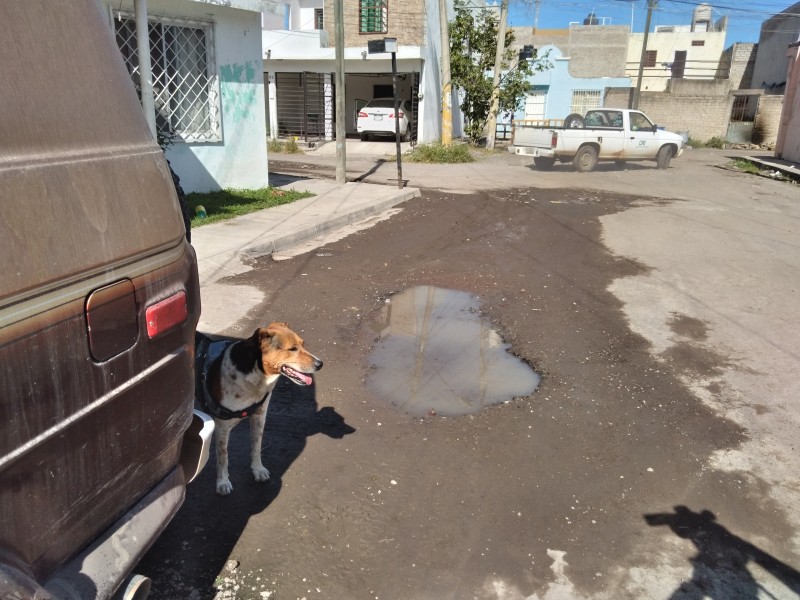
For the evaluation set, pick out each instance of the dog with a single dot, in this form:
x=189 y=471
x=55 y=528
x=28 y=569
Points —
x=236 y=381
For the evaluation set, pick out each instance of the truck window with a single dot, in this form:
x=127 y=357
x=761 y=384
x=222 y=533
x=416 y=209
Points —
x=639 y=122
x=614 y=118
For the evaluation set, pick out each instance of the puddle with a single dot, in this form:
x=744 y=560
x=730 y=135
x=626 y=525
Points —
x=436 y=355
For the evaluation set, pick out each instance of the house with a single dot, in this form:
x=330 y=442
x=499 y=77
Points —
x=208 y=85
x=299 y=65
x=777 y=33
x=582 y=61
x=787 y=146
x=678 y=51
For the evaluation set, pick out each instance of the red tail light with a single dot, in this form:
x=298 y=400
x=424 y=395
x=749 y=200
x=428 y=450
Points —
x=362 y=114
x=399 y=115
x=554 y=140
x=163 y=316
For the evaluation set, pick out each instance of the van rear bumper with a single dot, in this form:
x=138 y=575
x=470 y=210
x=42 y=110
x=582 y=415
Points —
x=196 y=445
x=102 y=567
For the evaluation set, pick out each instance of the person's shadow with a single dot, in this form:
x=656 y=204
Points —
x=720 y=566
x=194 y=548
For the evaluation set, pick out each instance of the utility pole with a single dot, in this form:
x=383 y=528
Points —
x=536 y=15
x=651 y=4
x=498 y=62
x=341 y=114
x=447 y=84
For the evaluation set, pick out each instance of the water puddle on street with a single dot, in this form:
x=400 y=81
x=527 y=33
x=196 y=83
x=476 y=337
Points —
x=436 y=355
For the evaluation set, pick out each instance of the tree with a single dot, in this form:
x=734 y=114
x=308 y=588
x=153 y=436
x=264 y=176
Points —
x=473 y=45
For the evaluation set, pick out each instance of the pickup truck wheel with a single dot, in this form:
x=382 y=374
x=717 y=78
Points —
x=545 y=163
x=585 y=160
x=663 y=157
x=574 y=121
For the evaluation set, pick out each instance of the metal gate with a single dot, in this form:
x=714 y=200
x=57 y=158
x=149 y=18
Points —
x=743 y=117
x=300 y=100
x=414 y=106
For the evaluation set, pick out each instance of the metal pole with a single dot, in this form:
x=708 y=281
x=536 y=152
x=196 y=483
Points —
x=341 y=140
x=498 y=62
x=397 y=121
x=447 y=94
x=650 y=5
x=145 y=69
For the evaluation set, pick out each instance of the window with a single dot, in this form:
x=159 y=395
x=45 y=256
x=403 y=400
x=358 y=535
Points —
x=650 y=58
x=319 y=21
x=640 y=123
x=184 y=84
x=698 y=42
x=373 y=16
x=585 y=100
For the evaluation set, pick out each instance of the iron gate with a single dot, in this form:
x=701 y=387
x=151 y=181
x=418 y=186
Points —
x=300 y=99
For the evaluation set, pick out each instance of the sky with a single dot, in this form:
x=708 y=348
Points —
x=744 y=17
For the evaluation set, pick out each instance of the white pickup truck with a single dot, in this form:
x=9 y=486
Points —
x=604 y=134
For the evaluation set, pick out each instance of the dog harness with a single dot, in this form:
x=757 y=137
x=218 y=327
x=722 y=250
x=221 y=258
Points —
x=206 y=352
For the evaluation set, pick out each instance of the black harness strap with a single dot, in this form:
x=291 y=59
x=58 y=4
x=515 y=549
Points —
x=206 y=354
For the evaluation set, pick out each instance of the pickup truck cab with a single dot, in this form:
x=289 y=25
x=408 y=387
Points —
x=604 y=134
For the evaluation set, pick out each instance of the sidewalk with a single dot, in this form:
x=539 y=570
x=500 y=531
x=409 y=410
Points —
x=222 y=248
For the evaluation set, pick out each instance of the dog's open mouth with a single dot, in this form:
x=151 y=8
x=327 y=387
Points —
x=296 y=376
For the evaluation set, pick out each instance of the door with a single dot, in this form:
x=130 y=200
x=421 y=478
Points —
x=679 y=64
x=640 y=139
x=535 y=105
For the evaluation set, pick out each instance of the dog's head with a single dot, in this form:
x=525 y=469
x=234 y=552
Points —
x=283 y=353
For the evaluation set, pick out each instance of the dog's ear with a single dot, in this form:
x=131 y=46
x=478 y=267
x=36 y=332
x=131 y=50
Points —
x=278 y=324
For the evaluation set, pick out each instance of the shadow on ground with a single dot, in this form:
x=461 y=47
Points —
x=186 y=561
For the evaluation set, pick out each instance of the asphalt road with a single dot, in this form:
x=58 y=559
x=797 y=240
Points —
x=656 y=459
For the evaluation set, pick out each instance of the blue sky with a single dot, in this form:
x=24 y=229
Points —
x=744 y=17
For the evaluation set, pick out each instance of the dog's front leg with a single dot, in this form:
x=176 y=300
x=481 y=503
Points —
x=257 y=422
x=222 y=431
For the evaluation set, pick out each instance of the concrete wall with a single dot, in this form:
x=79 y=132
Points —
x=771 y=64
x=702 y=116
x=788 y=143
x=768 y=119
x=240 y=159
x=598 y=50
x=737 y=63
x=406 y=22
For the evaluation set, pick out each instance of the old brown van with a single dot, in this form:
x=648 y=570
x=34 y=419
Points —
x=99 y=300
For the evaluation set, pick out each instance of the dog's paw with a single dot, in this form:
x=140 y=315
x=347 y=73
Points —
x=260 y=473
x=224 y=487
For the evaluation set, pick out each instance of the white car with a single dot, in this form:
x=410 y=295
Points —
x=377 y=118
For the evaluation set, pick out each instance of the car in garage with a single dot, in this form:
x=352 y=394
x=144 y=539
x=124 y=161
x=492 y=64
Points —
x=377 y=118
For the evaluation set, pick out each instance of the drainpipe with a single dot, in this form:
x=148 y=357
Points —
x=145 y=71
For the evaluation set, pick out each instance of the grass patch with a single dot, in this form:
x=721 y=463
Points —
x=716 y=142
x=438 y=153
x=745 y=166
x=226 y=204
x=288 y=147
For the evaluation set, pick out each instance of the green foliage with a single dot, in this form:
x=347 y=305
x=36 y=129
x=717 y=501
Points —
x=716 y=142
x=288 y=147
x=473 y=45
x=229 y=203
x=438 y=153
x=742 y=164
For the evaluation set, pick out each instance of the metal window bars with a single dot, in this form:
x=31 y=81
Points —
x=373 y=16
x=585 y=100
x=185 y=84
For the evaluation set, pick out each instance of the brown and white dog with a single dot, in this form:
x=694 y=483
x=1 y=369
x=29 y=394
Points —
x=239 y=382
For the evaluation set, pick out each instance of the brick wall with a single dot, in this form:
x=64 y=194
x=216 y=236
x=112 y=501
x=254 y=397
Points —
x=703 y=117
x=406 y=22
x=598 y=50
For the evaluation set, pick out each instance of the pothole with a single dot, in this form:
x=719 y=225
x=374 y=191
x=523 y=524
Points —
x=436 y=355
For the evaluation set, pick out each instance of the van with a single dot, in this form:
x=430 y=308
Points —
x=99 y=300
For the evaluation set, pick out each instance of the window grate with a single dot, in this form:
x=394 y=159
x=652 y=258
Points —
x=585 y=100
x=184 y=82
x=374 y=16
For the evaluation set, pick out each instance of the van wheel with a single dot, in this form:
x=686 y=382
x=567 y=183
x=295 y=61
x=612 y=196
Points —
x=664 y=156
x=585 y=160
x=545 y=163
x=187 y=219
x=574 y=121
x=364 y=137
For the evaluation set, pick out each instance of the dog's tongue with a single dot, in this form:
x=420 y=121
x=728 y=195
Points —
x=298 y=375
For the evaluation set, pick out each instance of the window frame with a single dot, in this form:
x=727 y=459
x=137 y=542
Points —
x=173 y=103
x=650 y=59
x=380 y=7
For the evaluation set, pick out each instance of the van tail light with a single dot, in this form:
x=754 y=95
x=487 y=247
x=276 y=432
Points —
x=163 y=316
x=399 y=115
x=361 y=113
x=554 y=140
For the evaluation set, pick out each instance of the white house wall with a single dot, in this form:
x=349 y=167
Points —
x=666 y=44
x=240 y=159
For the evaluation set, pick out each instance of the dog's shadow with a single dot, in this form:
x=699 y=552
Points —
x=194 y=548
